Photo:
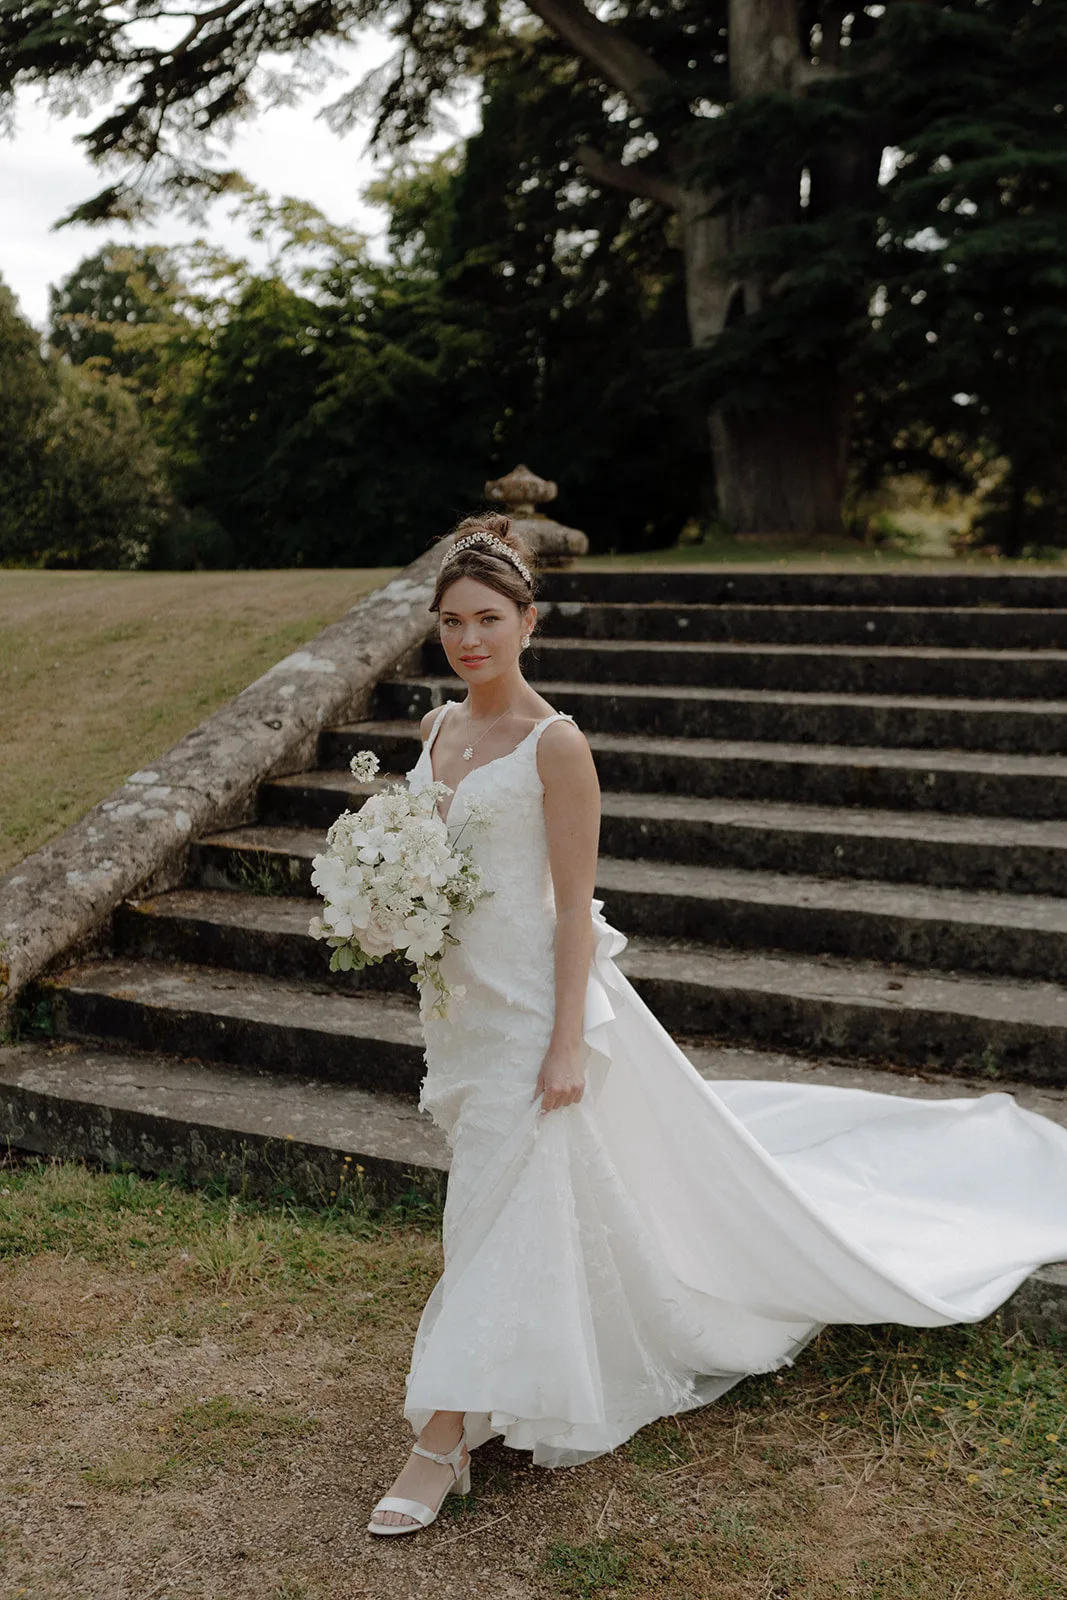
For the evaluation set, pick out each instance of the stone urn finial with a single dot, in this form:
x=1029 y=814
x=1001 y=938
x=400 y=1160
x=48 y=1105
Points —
x=519 y=494
x=521 y=491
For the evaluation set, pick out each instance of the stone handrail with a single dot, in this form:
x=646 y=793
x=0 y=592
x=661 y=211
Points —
x=63 y=894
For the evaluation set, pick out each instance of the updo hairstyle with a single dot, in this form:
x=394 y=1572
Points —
x=483 y=563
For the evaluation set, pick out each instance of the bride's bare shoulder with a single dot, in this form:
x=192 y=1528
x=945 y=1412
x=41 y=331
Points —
x=563 y=752
x=426 y=725
x=563 y=735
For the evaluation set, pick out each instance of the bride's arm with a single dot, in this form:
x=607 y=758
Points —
x=572 y=824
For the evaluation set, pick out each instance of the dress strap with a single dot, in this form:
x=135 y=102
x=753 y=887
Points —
x=436 y=724
x=546 y=722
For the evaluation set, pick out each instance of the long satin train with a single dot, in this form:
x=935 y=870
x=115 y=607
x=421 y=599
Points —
x=638 y=1253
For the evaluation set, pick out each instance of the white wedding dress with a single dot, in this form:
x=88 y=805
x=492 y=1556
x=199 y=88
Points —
x=637 y=1253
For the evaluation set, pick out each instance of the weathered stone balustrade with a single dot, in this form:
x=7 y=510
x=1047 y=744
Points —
x=58 y=901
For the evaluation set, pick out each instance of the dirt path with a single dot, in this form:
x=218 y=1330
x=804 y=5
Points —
x=204 y=1399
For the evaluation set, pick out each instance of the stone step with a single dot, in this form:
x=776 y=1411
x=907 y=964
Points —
x=949 y=929
x=395 y=741
x=196 y=1121
x=823 y=1005
x=370 y=1041
x=1034 y=727
x=956 y=781
x=745 y=1062
x=275 y=1136
x=314 y=799
x=927 y=588
x=946 y=852
x=956 y=628
x=228 y=929
x=257 y=858
x=861 y=919
x=268 y=936
x=335 y=1118
x=820 y=1004
x=1011 y=675
x=943 y=852
x=961 y=1025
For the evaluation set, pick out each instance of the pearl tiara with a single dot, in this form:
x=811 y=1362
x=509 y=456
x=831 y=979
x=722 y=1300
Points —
x=495 y=544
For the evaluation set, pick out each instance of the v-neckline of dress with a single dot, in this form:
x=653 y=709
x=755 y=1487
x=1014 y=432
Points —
x=482 y=764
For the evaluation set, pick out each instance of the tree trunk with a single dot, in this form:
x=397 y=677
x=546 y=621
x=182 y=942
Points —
x=779 y=470
x=783 y=472
x=776 y=471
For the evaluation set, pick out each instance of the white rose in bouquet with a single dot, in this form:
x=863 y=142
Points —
x=392 y=881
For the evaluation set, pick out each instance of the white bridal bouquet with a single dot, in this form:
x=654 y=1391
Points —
x=392 y=881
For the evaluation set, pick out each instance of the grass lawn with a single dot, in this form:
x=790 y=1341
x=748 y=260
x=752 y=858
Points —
x=928 y=551
x=203 y=1398
x=102 y=671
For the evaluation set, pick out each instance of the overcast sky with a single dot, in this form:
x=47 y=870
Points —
x=43 y=173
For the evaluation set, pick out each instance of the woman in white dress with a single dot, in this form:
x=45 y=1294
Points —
x=622 y=1239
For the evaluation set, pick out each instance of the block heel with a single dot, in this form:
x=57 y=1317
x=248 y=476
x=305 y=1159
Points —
x=423 y=1514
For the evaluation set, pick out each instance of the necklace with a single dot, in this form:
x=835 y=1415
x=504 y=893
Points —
x=468 y=751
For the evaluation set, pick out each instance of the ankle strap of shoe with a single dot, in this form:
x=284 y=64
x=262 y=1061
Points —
x=450 y=1460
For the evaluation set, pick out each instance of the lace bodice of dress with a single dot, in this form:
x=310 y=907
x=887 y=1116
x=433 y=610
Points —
x=506 y=943
x=511 y=786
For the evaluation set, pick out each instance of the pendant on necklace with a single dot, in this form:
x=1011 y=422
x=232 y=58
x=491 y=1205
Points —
x=468 y=753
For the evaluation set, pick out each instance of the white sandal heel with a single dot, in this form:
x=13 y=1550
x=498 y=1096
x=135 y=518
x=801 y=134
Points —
x=424 y=1515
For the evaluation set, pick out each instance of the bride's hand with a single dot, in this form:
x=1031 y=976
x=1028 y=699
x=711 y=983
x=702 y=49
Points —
x=561 y=1079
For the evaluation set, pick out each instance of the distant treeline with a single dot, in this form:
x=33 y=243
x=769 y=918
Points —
x=823 y=265
x=336 y=411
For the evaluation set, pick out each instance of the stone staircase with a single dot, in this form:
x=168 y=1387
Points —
x=832 y=828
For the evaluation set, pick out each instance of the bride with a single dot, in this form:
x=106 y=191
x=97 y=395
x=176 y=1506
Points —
x=622 y=1239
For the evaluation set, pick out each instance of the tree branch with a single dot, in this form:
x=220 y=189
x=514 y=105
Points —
x=199 y=24
x=616 y=57
x=632 y=180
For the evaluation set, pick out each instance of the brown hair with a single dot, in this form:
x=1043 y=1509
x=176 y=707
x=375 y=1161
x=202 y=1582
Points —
x=483 y=563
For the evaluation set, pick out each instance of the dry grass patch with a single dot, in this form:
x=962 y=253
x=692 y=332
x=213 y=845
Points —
x=203 y=1398
x=100 y=672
